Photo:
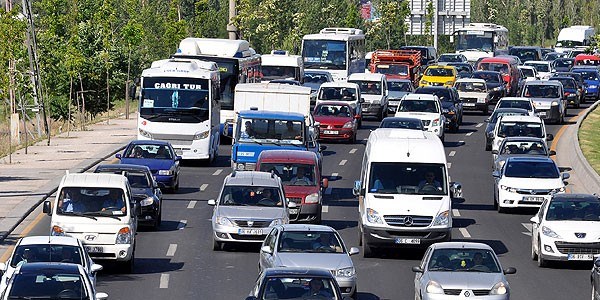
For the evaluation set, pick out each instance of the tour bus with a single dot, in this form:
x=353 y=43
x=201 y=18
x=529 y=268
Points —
x=341 y=51
x=179 y=103
x=477 y=40
x=237 y=61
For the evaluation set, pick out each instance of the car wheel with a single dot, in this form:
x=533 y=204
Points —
x=360 y=241
x=367 y=250
x=354 y=295
x=127 y=266
x=495 y=200
x=456 y=127
x=352 y=140
x=486 y=110
x=158 y=220
x=533 y=253
x=217 y=246
x=541 y=262
x=488 y=147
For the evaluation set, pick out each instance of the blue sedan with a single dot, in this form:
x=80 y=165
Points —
x=159 y=156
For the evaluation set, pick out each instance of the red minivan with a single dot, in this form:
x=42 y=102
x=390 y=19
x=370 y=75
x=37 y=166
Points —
x=507 y=67
x=302 y=181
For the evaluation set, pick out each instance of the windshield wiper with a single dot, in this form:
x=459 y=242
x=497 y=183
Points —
x=103 y=214
x=78 y=214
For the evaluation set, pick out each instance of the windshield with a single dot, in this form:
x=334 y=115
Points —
x=418 y=106
x=563 y=63
x=337 y=93
x=276 y=288
x=477 y=87
x=528 y=72
x=444 y=72
x=523 y=147
x=488 y=77
x=539 y=67
x=497 y=115
x=531 y=169
x=524 y=104
x=508 y=129
x=399 y=86
x=234 y=195
x=310 y=242
x=324 y=54
x=368 y=87
x=497 y=67
x=407 y=178
x=473 y=40
x=333 y=110
x=402 y=123
x=175 y=99
x=270 y=131
x=573 y=210
x=567 y=83
x=542 y=91
x=463 y=260
x=47 y=253
x=278 y=72
x=392 y=69
x=149 y=151
x=91 y=201
x=49 y=285
x=136 y=179
x=525 y=54
x=588 y=75
x=292 y=174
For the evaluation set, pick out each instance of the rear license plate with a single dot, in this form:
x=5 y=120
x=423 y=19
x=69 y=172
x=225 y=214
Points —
x=580 y=257
x=468 y=104
x=293 y=211
x=533 y=199
x=542 y=114
x=408 y=241
x=94 y=249
x=250 y=231
x=331 y=132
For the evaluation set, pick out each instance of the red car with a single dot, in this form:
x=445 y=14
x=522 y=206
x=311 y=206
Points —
x=338 y=121
x=302 y=181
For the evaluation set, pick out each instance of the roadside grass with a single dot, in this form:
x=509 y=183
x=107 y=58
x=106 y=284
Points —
x=589 y=139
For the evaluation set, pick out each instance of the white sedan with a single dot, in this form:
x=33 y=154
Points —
x=566 y=228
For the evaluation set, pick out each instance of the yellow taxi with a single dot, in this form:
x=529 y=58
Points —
x=438 y=76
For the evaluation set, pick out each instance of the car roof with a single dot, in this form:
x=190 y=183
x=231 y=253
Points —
x=345 y=84
x=52 y=240
x=252 y=178
x=298 y=156
x=478 y=80
x=102 y=180
x=543 y=82
x=515 y=99
x=487 y=72
x=366 y=76
x=392 y=119
x=46 y=267
x=329 y=102
x=265 y=114
x=306 y=227
x=149 y=142
x=530 y=159
x=586 y=68
x=123 y=167
x=428 y=97
x=523 y=138
x=297 y=272
x=530 y=119
x=459 y=245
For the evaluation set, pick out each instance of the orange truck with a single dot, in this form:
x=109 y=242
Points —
x=403 y=64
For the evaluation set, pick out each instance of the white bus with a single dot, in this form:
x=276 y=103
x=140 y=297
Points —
x=237 y=61
x=478 y=40
x=341 y=51
x=179 y=103
x=280 y=65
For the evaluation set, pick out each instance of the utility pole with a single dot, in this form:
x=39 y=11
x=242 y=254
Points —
x=435 y=24
x=231 y=29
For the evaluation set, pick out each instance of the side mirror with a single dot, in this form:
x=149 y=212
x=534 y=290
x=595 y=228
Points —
x=266 y=249
x=496 y=174
x=565 y=176
x=47 y=209
x=212 y=202
x=456 y=190
x=101 y=296
x=353 y=251
x=510 y=270
x=322 y=148
x=534 y=219
x=325 y=183
x=177 y=158
x=549 y=137
x=362 y=100
x=495 y=152
x=417 y=269
x=96 y=268
x=292 y=204
x=552 y=153
x=487 y=120
x=118 y=155
x=317 y=124
x=356 y=189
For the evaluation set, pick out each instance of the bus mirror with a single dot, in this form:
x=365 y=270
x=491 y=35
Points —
x=451 y=39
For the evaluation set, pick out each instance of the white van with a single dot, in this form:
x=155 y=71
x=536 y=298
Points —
x=99 y=210
x=404 y=197
x=374 y=89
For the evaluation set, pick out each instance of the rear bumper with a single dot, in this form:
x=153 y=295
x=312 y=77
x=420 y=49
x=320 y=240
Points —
x=552 y=114
x=336 y=134
x=307 y=213
x=371 y=109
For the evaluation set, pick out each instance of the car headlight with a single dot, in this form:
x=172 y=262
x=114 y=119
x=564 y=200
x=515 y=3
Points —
x=165 y=172
x=442 y=218
x=124 y=236
x=345 y=272
x=201 y=135
x=276 y=222
x=145 y=134
x=509 y=189
x=348 y=124
x=146 y=202
x=435 y=122
x=554 y=103
x=223 y=221
x=424 y=82
x=550 y=233
x=57 y=231
x=312 y=198
x=499 y=288
x=499 y=88
x=373 y=216
x=434 y=288
x=559 y=190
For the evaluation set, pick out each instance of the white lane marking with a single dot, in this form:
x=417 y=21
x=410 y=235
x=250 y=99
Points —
x=456 y=213
x=343 y=162
x=452 y=153
x=461 y=142
x=181 y=224
x=171 y=250
x=203 y=187
x=192 y=204
x=464 y=232
x=353 y=151
x=217 y=172
x=328 y=191
x=164 y=281
x=325 y=208
x=528 y=233
x=527 y=226
x=479 y=125
x=449 y=165
x=470 y=133
x=334 y=174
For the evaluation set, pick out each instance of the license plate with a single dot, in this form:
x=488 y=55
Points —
x=250 y=231
x=580 y=257
x=293 y=211
x=408 y=241
x=94 y=249
x=468 y=104
x=542 y=113
x=178 y=151
x=331 y=132
x=533 y=199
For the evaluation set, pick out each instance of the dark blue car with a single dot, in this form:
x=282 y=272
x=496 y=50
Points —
x=159 y=156
x=591 y=76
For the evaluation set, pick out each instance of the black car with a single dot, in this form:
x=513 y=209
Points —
x=491 y=122
x=494 y=83
x=451 y=105
x=563 y=64
x=578 y=79
x=144 y=189
x=295 y=283
x=464 y=70
x=571 y=90
x=526 y=53
x=400 y=122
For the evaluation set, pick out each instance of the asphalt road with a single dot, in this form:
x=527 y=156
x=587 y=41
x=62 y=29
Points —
x=177 y=262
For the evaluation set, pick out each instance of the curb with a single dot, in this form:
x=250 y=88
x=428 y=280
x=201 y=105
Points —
x=588 y=176
x=53 y=186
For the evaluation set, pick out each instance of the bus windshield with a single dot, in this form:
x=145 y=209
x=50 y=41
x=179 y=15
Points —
x=407 y=178
x=175 y=100
x=324 y=54
x=279 y=72
x=279 y=132
x=474 y=40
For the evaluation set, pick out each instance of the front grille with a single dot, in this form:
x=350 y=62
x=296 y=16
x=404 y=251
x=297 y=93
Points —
x=403 y=221
x=296 y=200
x=452 y=292
x=436 y=83
x=578 y=248
x=173 y=137
x=411 y=234
x=425 y=122
x=469 y=100
x=481 y=292
x=256 y=224
x=533 y=192
x=247 y=237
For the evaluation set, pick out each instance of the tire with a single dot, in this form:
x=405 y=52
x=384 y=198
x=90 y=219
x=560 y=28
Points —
x=367 y=250
x=217 y=246
x=495 y=201
x=354 y=295
x=534 y=255
x=319 y=218
x=128 y=266
x=456 y=127
x=158 y=220
x=541 y=262
x=488 y=147
x=486 y=110
x=360 y=240
x=352 y=140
